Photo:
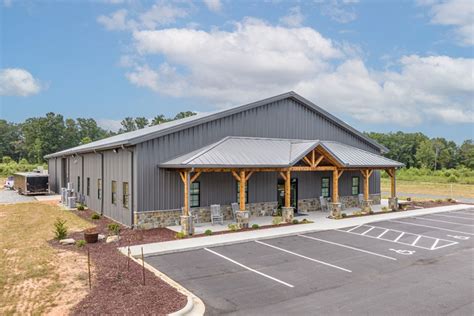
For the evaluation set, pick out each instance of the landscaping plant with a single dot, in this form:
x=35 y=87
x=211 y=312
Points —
x=95 y=216
x=80 y=243
x=276 y=220
x=295 y=221
x=80 y=207
x=114 y=228
x=60 y=229
x=255 y=226
x=180 y=235
x=208 y=232
x=233 y=227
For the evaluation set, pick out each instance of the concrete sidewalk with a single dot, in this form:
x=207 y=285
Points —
x=322 y=224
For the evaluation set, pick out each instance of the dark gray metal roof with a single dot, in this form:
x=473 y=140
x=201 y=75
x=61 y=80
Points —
x=256 y=152
x=135 y=137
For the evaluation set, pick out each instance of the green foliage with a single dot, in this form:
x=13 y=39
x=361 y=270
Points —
x=295 y=221
x=8 y=169
x=60 y=229
x=80 y=207
x=384 y=209
x=180 y=235
x=461 y=175
x=208 y=232
x=95 y=216
x=276 y=220
x=306 y=221
x=6 y=159
x=255 y=226
x=113 y=228
x=80 y=243
x=343 y=215
x=233 y=227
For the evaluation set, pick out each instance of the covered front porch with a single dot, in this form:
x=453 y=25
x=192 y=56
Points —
x=243 y=157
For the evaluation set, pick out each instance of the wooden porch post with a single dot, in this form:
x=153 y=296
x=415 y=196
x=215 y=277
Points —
x=366 y=173
x=393 y=191
x=335 y=186
x=242 y=183
x=288 y=188
x=186 y=182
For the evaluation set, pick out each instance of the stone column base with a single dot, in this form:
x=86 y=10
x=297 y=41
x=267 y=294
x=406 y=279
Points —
x=243 y=219
x=287 y=214
x=393 y=203
x=187 y=225
x=335 y=209
x=366 y=206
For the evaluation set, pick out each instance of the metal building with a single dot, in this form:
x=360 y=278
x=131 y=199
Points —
x=136 y=178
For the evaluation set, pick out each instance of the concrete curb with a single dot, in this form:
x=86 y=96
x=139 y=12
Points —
x=194 y=305
x=242 y=237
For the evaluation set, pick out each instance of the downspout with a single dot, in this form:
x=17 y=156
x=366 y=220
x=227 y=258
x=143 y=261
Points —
x=132 y=187
x=102 y=183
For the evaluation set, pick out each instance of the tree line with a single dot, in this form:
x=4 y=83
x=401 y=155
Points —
x=36 y=137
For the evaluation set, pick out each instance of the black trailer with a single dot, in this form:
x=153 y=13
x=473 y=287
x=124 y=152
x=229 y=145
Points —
x=31 y=183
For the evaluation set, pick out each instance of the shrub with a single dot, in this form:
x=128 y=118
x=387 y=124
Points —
x=452 y=179
x=343 y=215
x=276 y=220
x=255 y=226
x=95 y=216
x=306 y=221
x=60 y=229
x=80 y=207
x=80 y=243
x=438 y=201
x=384 y=209
x=233 y=227
x=208 y=232
x=114 y=228
x=295 y=221
x=180 y=235
x=371 y=212
x=6 y=159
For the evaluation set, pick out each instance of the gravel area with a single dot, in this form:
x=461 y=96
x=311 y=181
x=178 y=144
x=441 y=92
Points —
x=117 y=286
x=10 y=196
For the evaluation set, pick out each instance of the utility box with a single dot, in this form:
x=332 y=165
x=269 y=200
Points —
x=31 y=183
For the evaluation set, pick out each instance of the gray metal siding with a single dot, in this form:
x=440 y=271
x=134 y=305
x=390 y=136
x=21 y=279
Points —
x=159 y=189
x=93 y=171
x=117 y=167
x=75 y=171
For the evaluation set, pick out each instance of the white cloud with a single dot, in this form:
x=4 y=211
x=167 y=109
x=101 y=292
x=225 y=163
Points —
x=110 y=125
x=213 y=5
x=456 y=13
x=160 y=14
x=256 y=60
x=294 y=18
x=18 y=82
x=339 y=11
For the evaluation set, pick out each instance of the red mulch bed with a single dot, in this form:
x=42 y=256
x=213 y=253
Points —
x=431 y=203
x=116 y=289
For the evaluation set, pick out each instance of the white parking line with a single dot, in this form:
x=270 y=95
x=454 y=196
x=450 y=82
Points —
x=399 y=236
x=418 y=238
x=461 y=212
x=368 y=230
x=301 y=256
x=441 y=221
x=451 y=216
x=248 y=268
x=383 y=233
x=353 y=228
x=350 y=247
x=435 y=227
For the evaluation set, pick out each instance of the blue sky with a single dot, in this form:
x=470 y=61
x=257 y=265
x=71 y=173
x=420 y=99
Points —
x=380 y=66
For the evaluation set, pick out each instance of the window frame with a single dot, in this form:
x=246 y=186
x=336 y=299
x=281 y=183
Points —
x=192 y=193
x=246 y=192
x=125 y=197
x=114 y=192
x=99 y=189
x=328 y=187
x=88 y=186
x=353 y=186
x=78 y=184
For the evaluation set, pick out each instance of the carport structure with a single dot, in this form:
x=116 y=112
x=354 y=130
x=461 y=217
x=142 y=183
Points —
x=244 y=156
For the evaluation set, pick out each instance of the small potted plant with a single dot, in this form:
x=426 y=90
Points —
x=91 y=235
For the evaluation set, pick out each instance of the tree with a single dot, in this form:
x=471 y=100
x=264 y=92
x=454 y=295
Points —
x=86 y=140
x=9 y=138
x=141 y=122
x=159 y=119
x=128 y=125
x=88 y=128
x=426 y=154
x=182 y=115
x=466 y=154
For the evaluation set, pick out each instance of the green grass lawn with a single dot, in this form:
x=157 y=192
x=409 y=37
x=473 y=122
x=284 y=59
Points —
x=404 y=188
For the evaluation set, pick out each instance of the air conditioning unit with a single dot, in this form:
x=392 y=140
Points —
x=71 y=202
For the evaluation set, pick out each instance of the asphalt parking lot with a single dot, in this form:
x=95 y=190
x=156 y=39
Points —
x=412 y=266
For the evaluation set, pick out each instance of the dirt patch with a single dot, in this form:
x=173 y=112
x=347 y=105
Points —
x=117 y=286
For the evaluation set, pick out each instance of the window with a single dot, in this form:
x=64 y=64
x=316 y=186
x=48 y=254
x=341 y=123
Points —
x=78 y=184
x=88 y=189
x=114 y=192
x=99 y=189
x=246 y=192
x=355 y=186
x=125 y=194
x=325 y=187
x=195 y=194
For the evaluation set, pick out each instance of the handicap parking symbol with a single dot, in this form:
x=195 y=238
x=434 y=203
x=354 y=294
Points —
x=403 y=252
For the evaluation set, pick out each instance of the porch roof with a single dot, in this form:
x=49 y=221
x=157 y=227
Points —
x=256 y=152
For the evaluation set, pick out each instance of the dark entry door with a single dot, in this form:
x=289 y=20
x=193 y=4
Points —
x=293 y=193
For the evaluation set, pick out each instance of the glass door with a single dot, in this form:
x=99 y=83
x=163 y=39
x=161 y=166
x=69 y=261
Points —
x=293 y=193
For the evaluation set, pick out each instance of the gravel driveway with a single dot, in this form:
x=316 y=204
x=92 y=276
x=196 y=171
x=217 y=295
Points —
x=10 y=196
